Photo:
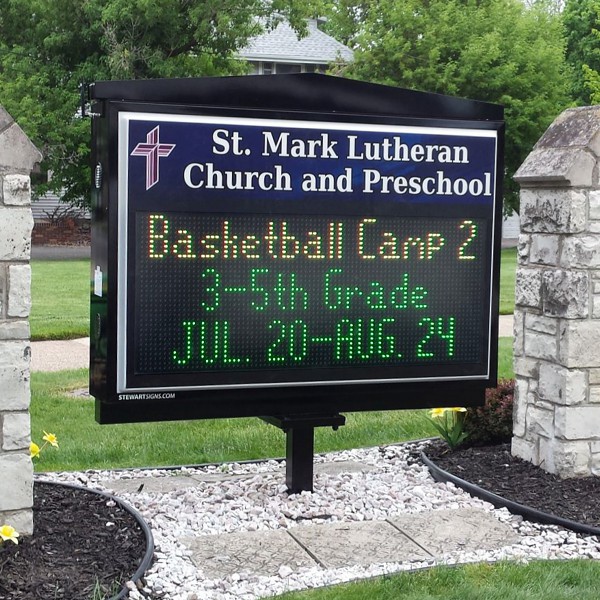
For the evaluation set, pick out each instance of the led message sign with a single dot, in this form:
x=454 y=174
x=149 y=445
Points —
x=229 y=292
x=260 y=254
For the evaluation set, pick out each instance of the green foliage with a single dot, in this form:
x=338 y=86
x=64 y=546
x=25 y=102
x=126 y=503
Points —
x=492 y=50
x=449 y=423
x=345 y=18
x=48 y=47
x=592 y=83
x=581 y=21
x=493 y=422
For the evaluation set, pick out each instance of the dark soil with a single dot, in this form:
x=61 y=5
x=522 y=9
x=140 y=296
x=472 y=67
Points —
x=83 y=548
x=494 y=469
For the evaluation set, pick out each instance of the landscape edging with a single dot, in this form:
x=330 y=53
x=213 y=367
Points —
x=531 y=514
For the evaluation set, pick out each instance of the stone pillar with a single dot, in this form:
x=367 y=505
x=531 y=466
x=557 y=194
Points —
x=17 y=159
x=557 y=299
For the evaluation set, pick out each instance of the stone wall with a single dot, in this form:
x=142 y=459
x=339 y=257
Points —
x=557 y=299
x=17 y=159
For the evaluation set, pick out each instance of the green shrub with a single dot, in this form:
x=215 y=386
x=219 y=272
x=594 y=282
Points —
x=492 y=423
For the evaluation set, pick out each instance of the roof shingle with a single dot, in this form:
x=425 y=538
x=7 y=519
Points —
x=283 y=45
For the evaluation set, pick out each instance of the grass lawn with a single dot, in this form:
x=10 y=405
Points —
x=559 y=580
x=505 y=358
x=86 y=445
x=508 y=267
x=61 y=295
x=60 y=291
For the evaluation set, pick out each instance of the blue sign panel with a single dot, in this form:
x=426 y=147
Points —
x=204 y=158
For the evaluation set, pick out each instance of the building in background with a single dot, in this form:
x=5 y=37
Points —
x=280 y=51
x=57 y=223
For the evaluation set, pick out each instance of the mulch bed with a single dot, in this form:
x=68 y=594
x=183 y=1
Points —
x=494 y=469
x=83 y=544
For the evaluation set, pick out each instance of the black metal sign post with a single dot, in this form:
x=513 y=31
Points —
x=297 y=246
x=299 y=447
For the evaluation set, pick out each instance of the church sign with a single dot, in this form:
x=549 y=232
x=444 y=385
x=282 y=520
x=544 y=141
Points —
x=295 y=245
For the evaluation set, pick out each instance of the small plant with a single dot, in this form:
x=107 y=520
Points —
x=8 y=533
x=492 y=423
x=101 y=592
x=63 y=214
x=449 y=423
x=49 y=438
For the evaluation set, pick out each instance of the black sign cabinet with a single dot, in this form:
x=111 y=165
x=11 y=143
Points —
x=291 y=247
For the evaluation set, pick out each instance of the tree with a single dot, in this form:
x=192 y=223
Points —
x=48 y=47
x=582 y=21
x=345 y=18
x=493 y=50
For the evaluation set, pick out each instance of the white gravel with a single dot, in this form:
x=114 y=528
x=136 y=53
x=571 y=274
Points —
x=393 y=488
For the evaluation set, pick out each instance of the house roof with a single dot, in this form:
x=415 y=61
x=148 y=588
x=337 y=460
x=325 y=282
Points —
x=283 y=45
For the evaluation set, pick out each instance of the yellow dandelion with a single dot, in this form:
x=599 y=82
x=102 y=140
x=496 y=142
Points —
x=51 y=439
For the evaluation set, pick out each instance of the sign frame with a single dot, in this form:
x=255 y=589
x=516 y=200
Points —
x=296 y=99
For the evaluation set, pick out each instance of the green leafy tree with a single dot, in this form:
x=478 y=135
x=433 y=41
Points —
x=582 y=24
x=493 y=50
x=345 y=18
x=48 y=47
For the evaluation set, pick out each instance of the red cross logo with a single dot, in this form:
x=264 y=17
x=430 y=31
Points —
x=153 y=150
